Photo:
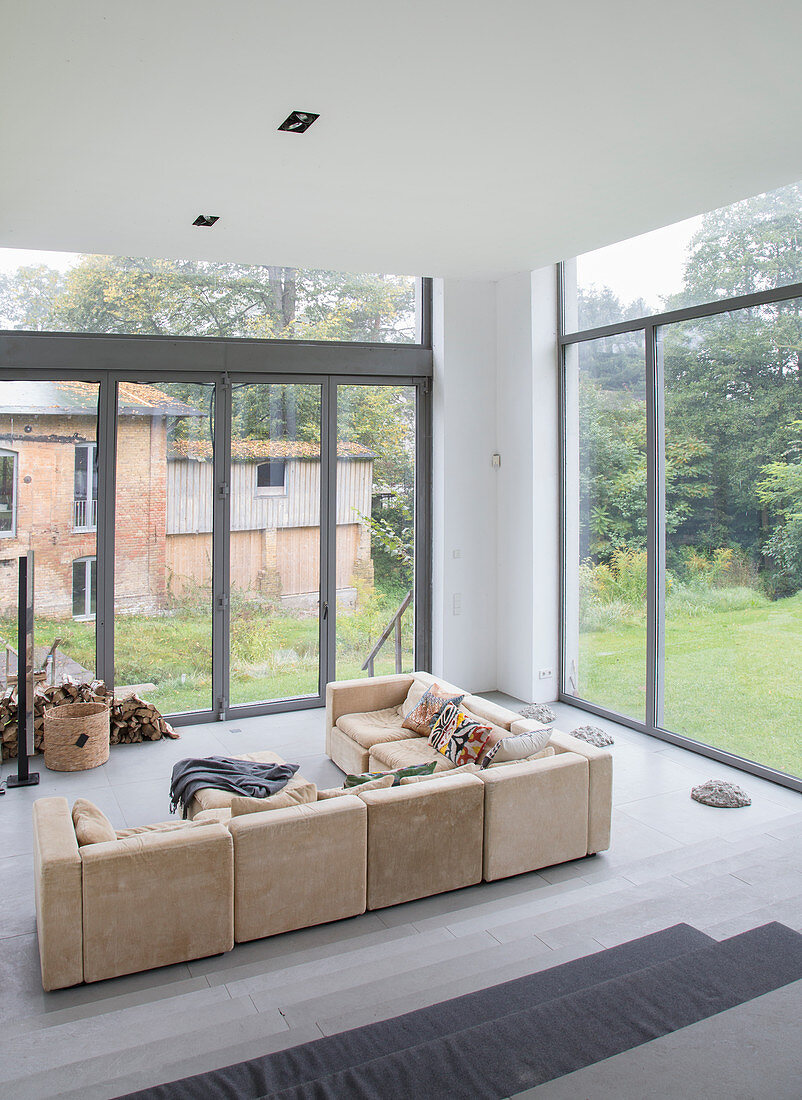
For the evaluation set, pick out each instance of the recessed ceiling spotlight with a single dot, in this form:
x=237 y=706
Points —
x=298 y=122
x=206 y=220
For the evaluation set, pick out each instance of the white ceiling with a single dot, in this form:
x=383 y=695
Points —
x=455 y=137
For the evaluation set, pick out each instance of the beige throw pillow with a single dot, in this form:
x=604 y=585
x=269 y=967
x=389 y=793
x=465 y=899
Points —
x=542 y=755
x=372 y=785
x=91 y=824
x=519 y=746
x=296 y=796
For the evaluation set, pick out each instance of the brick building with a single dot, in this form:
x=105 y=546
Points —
x=164 y=497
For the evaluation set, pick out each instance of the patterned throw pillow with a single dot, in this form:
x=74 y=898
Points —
x=457 y=737
x=420 y=719
x=398 y=775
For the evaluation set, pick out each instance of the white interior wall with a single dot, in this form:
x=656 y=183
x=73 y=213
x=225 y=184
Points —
x=464 y=483
x=495 y=391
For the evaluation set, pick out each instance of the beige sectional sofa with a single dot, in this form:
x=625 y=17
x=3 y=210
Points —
x=170 y=893
x=537 y=812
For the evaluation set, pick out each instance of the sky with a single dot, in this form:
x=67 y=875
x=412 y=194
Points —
x=12 y=258
x=649 y=266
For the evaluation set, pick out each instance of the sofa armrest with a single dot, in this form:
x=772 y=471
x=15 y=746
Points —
x=600 y=787
x=299 y=866
x=155 y=899
x=536 y=814
x=57 y=887
x=355 y=696
x=528 y=725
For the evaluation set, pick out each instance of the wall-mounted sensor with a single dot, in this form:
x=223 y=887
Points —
x=206 y=220
x=298 y=122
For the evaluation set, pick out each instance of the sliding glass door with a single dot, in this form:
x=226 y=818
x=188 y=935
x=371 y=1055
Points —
x=376 y=478
x=163 y=543
x=274 y=542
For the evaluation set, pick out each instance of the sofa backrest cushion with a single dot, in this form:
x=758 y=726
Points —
x=91 y=824
x=294 y=796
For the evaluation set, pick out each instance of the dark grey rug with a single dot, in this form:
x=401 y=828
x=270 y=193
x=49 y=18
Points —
x=499 y=1041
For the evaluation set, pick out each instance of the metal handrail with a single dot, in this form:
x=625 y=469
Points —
x=395 y=623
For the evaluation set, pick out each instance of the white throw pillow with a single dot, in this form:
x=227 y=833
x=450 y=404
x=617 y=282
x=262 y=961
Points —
x=518 y=746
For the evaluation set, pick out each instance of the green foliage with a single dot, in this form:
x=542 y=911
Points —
x=122 y=294
x=733 y=384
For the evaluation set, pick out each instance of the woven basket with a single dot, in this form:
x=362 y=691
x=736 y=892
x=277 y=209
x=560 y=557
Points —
x=76 y=736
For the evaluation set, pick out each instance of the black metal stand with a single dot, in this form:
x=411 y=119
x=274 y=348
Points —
x=25 y=689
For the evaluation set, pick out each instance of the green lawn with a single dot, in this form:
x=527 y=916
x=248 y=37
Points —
x=273 y=656
x=732 y=678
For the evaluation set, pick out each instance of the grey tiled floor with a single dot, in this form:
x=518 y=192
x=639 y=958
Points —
x=671 y=860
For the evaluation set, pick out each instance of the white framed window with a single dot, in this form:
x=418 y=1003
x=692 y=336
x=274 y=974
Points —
x=8 y=494
x=84 y=508
x=84 y=588
x=271 y=477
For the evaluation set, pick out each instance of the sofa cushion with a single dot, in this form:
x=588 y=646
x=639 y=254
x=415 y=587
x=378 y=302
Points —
x=222 y=817
x=377 y=784
x=281 y=800
x=373 y=727
x=420 y=718
x=91 y=824
x=159 y=827
x=518 y=746
x=402 y=754
x=457 y=737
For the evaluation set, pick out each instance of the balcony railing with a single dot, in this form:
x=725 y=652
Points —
x=393 y=627
x=84 y=515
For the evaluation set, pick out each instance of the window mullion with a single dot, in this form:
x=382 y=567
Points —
x=656 y=527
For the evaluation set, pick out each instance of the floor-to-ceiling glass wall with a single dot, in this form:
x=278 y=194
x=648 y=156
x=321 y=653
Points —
x=244 y=454
x=686 y=518
x=375 y=515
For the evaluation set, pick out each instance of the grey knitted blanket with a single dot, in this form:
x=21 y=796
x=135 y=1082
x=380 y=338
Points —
x=247 y=777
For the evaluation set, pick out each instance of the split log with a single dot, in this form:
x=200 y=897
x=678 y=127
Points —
x=132 y=719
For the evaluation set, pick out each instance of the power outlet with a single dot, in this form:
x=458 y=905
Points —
x=545 y=674
x=456 y=603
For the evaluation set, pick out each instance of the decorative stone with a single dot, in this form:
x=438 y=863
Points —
x=538 y=712
x=594 y=735
x=717 y=792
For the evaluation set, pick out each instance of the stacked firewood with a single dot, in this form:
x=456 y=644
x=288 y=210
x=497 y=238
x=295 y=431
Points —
x=132 y=718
